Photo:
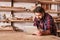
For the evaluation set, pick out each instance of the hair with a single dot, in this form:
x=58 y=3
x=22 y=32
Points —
x=39 y=10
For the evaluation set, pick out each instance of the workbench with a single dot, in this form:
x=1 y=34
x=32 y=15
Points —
x=24 y=36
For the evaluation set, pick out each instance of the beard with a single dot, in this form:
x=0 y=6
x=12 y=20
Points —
x=39 y=18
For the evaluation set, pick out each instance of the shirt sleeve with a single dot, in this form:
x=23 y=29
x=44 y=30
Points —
x=50 y=22
x=35 y=24
x=51 y=25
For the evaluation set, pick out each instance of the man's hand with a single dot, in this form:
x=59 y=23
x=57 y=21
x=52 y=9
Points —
x=41 y=32
x=47 y=32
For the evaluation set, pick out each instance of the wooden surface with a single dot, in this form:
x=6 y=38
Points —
x=12 y=9
x=6 y=28
x=5 y=0
x=23 y=36
x=28 y=1
x=58 y=30
x=56 y=20
x=21 y=9
x=53 y=12
x=49 y=2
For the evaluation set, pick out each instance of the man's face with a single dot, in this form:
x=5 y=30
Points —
x=38 y=15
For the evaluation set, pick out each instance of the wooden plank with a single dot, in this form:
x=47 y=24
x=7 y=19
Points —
x=5 y=0
x=57 y=19
x=15 y=9
x=58 y=0
x=8 y=28
x=21 y=21
x=23 y=36
x=45 y=0
x=57 y=22
x=17 y=20
x=27 y=21
x=53 y=11
x=58 y=30
x=3 y=20
x=28 y=1
x=12 y=9
x=49 y=2
x=21 y=9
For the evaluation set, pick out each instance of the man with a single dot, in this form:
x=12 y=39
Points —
x=44 y=22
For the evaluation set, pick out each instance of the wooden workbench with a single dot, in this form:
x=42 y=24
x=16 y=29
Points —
x=23 y=36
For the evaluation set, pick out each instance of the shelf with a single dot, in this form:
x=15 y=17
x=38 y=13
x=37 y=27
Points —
x=12 y=9
x=57 y=19
x=3 y=20
x=16 y=21
x=15 y=9
x=27 y=1
x=51 y=11
x=57 y=0
x=58 y=30
x=49 y=2
x=5 y=0
x=47 y=5
x=20 y=9
x=57 y=22
x=54 y=12
x=6 y=28
x=21 y=21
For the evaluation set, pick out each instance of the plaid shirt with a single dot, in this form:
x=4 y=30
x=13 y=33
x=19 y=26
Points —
x=46 y=23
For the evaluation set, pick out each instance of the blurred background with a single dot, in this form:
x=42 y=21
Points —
x=17 y=14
